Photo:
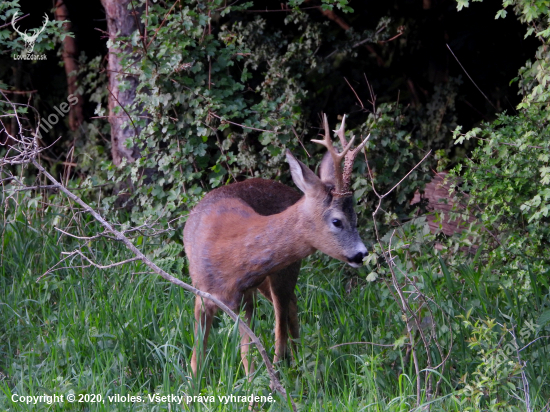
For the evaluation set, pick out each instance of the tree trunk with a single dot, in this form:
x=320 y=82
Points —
x=70 y=58
x=121 y=22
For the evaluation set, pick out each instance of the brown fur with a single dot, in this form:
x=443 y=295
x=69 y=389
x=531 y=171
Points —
x=252 y=235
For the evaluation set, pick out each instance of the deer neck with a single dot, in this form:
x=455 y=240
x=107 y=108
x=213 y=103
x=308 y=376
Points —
x=265 y=244
x=284 y=235
x=248 y=246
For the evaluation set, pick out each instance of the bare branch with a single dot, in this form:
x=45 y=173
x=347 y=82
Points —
x=92 y=263
x=364 y=343
x=88 y=238
x=472 y=80
x=140 y=256
x=27 y=152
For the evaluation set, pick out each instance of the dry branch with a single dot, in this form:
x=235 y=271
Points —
x=414 y=325
x=139 y=255
x=25 y=151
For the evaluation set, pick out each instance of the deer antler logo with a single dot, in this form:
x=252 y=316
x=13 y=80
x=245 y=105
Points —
x=29 y=39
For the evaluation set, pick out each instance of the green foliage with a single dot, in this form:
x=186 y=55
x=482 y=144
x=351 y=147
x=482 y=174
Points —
x=507 y=181
x=90 y=147
x=188 y=89
x=220 y=95
x=464 y=3
x=219 y=99
x=122 y=331
x=495 y=378
x=504 y=184
x=326 y=5
x=484 y=318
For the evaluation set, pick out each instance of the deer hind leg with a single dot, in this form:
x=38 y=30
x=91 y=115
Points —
x=293 y=324
x=280 y=291
x=248 y=303
x=204 y=314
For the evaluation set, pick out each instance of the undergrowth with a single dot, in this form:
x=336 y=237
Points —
x=126 y=332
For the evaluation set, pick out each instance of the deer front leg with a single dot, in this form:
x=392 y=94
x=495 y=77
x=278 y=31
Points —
x=284 y=301
x=276 y=295
x=204 y=314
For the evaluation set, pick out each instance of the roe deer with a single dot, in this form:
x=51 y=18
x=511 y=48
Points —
x=253 y=234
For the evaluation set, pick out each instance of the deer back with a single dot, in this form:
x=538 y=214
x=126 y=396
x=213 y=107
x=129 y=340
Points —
x=224 y=214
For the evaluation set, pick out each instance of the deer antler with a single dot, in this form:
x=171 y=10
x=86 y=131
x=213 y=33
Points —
x=342 y=180
x=350 y=155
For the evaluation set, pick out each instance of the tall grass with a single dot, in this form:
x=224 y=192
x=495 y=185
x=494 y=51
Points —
x=123 y=332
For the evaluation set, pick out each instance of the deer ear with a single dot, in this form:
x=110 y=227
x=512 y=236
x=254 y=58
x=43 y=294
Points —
x=304 y=178
x=326 y=170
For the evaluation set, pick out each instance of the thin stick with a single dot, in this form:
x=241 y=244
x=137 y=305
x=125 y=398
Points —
x=92 y=263
x=18 y=91
x=472 y=80
x=162 y=23
x=241 y=125
x=364 y=343
x=353 y=90
x=139 y=255
x=88 y=238
x=407 y=175
x=127 y=114
x=15 y=21
x=138 y=25
x=300 y=141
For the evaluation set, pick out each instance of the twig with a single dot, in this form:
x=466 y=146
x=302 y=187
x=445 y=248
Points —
x=123 y=108
x=398 y=183
x=240 y=125
x=88 y=238
x=300 y=141
x=16 y=20
x=373 y=96
x=404 y=309
x=162 y=24
x=18 y=91
x=364 y=343
x=399 y=295
x=285 y=10
x=391 y=39
x=353 y=90
x=138 y=25
x=533 y=341
x=460 y=64
x=92 y=263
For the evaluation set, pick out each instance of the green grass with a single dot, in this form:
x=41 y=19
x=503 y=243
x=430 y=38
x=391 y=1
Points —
x=125 y=332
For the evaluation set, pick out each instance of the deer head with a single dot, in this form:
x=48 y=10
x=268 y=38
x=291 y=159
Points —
x=29 y=39
x=328 y=203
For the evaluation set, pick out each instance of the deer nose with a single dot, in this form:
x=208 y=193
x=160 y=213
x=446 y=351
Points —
x=358 y=258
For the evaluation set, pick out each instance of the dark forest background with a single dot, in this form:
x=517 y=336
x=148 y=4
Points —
x=177 y=98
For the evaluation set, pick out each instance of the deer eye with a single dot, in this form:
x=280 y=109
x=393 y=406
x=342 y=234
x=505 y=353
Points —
x=337 y=222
